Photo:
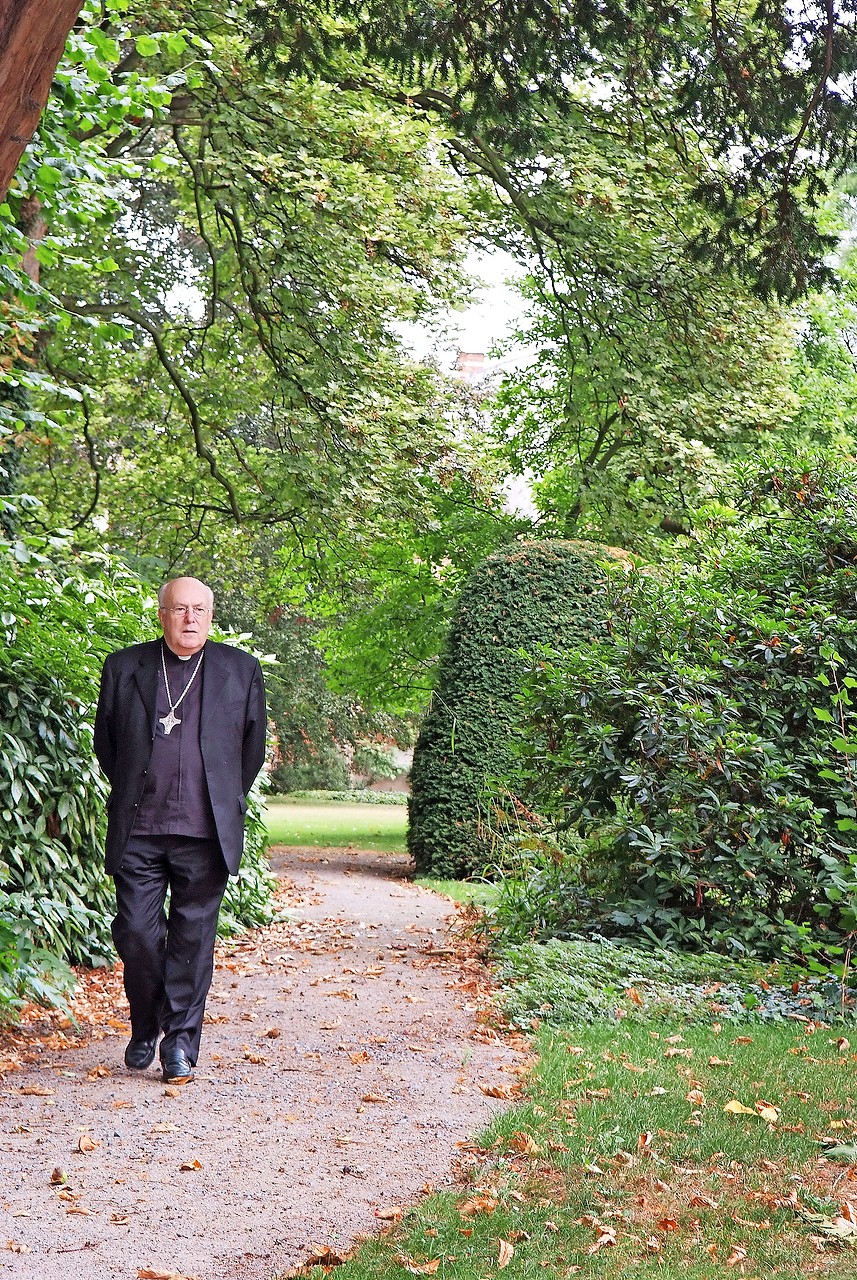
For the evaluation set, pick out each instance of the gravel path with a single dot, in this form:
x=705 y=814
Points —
x=343 y=1060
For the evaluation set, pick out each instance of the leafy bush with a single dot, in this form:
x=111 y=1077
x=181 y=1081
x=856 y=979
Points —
x=703 y=748
x=358 y=796
x=529 y=594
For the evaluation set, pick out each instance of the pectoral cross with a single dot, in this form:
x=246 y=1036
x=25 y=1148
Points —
x=169 y=721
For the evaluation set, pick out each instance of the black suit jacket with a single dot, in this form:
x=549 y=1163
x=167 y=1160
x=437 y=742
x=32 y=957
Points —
x=232 y=737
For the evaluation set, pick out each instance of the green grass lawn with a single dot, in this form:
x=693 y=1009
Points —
x=338 y=826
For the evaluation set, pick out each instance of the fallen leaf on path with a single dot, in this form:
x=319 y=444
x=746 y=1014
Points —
x=394 y=1213
x=120 y=1219
x=79 y=1209
x=87 y=1143
x=189 y=1166
x=172 y=1093
x=505 y=1253
x=36 y=1091
x=98 y=1072
x=58 y=1177
x=273 y=1033
x=374 y=1097
x=324 y=1257
x=151 y=1273
x=360 y=1057
x=16 y=1247
x=504 y=1091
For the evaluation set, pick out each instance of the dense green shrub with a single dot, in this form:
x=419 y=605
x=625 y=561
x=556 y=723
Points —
x=528 y=594
x=704 y=748
x=60 y=615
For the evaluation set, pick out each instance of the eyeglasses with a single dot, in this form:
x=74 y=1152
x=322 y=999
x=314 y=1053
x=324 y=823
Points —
x=198 y=610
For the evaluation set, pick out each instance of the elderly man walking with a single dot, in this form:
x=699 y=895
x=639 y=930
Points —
x=180 y=733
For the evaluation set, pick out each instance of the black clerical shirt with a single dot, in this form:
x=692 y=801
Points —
x=175 y=799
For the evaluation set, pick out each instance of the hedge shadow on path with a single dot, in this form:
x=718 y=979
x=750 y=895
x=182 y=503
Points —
x=342 y=1063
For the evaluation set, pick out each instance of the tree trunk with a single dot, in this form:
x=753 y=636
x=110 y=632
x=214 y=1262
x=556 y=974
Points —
x=32 y=37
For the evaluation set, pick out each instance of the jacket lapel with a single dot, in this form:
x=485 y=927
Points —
x=146 y=676
x=216 y=675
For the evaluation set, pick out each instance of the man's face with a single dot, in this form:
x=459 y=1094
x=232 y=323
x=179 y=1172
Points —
x=185 y=615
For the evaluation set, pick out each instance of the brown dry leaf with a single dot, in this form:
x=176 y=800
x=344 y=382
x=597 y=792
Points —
x=154 y=1273
x=16 y=1247
x=700 y=1201
x=653 y=1244
x=374 y=1097
x=273 y=1033
x=525 y=1144
x=504 y=1091
x=120 y=1219
x=644 y=1141
x=668 y=1224
x=98 y=1072
x=505 y=1253
x=258 y=1059
x=697 y=1097
x=417 y=1268
x=678 y=1053
x=395 y=1213
x=768 y=1111
x=79 y=1209
x=742 y=1040
x=324 y=1256
x=634 y=996
x=737 y=1255
x=748 y=1222
x=189 y=1166
x=358 y=1058
x=36 y=1091
x=478 y=1204
x=606 y=1238
x=848 y=1211
x=720 y=1062
x=736 y=1108
x=172 y=1092
x=86 y=1143
x=58 y=1177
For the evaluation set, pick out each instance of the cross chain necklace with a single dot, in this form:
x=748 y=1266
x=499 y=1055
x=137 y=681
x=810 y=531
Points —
x=170 y=720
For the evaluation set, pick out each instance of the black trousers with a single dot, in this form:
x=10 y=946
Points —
x=169 y=959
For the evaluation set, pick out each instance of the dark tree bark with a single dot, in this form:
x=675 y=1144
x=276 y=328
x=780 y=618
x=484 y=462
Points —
x=32 y=37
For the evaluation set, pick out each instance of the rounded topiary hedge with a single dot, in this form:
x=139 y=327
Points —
x=523 y=596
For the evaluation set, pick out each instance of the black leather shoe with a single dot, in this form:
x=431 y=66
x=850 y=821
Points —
x=139 y=1054
x=178 y=1068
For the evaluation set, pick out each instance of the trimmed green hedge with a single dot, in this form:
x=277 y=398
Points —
x=523 y=596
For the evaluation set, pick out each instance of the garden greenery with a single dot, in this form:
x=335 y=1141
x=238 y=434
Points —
x=700 y=751
x=527 y=594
